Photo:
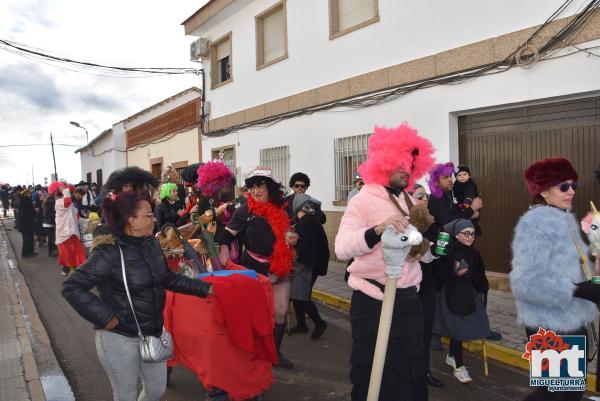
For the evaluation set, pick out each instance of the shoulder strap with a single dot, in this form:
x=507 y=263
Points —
x=127 y=291
x=395 y=202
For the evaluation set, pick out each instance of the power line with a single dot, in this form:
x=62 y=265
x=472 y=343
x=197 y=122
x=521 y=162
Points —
x=39 y=144
x=44 y=56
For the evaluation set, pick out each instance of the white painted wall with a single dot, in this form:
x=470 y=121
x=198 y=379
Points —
x=407 y=30
x=181 y=147
x=432 y=111
x=107 y=154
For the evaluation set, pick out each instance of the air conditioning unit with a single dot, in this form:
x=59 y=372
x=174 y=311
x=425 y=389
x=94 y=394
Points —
x=199 y=49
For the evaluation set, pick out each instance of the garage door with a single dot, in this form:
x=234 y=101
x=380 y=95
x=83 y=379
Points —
x=498 y=147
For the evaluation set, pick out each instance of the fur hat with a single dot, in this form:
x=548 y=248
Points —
x=440 y=170
x=393 y=148
x=546 y=173
x=130 y=175
x=213 y=176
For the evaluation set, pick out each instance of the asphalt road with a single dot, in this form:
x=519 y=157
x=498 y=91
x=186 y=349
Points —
x=321 y=367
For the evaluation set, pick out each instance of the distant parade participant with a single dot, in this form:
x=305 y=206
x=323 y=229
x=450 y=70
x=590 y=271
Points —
x=4 y=198
x=299 y=183
x=263 y=226
x=70 y=251
x=26 y=222
x=49 y=218
x=396 y=158
x=167 y=211
x=549 y=265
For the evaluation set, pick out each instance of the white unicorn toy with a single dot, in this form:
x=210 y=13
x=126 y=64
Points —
x=590 y=225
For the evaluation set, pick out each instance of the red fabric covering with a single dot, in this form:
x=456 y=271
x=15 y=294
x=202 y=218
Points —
x=71 y=252
x=207 y=341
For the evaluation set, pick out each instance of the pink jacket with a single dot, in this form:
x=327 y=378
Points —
x=369 y=208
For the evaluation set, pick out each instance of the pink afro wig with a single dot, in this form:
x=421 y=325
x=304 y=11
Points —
x=55 y=187
x=393 y=148
x=440 y=170
x=213 y=176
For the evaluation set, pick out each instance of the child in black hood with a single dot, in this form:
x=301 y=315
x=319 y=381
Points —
x=465 y=189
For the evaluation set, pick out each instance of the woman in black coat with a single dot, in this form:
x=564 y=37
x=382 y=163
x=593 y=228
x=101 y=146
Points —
x=131 y=221
x=26 y=223
x=312 y=251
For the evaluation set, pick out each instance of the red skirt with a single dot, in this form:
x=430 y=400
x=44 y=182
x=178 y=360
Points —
x=71 y=252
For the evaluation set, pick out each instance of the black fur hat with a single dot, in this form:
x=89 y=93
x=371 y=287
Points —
x=130 y=175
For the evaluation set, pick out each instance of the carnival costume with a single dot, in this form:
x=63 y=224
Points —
x=404 y=375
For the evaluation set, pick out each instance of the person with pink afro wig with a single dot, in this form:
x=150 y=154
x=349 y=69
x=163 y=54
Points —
x=214 y=176
x=394 y=148
x=397 y=157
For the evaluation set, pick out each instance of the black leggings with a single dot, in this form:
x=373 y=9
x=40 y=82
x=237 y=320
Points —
x=302 y=308
x=456 y=352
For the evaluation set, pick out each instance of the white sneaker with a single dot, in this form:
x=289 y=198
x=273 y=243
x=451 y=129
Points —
x=450 y=361
x=462 y=374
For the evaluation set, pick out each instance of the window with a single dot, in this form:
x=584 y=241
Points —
x=226 y=154
x=348 y=15
x=99 y=178
x=271 y=36
x=279 y=160
x=220 y=61
x=349 y=153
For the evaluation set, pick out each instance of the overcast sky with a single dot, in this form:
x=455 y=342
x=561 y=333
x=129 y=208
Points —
x=36 y=99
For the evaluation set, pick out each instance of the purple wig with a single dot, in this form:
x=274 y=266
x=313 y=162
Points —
x=440 y=170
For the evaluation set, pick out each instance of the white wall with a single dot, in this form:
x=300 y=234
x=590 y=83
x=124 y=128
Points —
x=106 y=154
x=432 y=111
x=183 y=146
x=407 y=30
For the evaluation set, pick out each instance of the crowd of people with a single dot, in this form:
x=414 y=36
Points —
x=441 y=286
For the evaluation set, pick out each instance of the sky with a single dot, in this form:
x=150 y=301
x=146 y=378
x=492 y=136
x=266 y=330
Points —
x=37 y=99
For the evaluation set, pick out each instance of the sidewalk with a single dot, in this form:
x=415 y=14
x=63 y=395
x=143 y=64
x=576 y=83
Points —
x=333 y=290
x=19 y=379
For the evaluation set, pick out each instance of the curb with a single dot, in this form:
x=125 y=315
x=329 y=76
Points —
x=23 y=304
x=496 y=352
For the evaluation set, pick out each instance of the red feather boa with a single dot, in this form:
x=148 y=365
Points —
x=281 y=258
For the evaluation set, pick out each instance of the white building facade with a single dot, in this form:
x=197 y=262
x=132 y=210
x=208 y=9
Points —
x=103 y=155
x=288 y=82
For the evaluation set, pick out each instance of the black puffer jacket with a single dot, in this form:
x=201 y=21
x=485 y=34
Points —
x=148 y=276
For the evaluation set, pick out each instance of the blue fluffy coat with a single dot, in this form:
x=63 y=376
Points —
x=545 y=269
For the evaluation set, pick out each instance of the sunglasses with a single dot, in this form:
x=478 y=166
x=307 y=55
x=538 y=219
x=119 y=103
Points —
x=256 y=184
x=299 y=185
x=421 y=196
x=564 y=187
x=468 y=234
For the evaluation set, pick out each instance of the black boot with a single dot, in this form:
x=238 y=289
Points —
x=169 y=371
x=278 y=337
x=432 y=381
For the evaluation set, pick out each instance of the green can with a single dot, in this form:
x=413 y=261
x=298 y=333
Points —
x=441 y=243
x=595 y=279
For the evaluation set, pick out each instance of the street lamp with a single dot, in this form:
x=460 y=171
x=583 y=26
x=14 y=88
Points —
x=81 y=126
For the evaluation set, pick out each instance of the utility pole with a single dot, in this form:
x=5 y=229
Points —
x=32 y=179
x=53 y=158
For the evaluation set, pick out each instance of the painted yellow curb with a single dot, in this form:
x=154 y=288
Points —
x=496 y=352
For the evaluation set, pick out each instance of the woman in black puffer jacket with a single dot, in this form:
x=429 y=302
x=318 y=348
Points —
x=131 y=221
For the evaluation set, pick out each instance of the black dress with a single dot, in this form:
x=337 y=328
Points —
x=256 y=236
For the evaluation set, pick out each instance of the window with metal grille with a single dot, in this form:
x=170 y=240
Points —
x=226 y=154
x=220 y=56
x=348 y=15
x=349 y=153
x=271 y=36
x=279 y=160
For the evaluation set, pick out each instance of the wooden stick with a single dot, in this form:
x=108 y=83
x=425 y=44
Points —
x=485 y=362
x=383 y=335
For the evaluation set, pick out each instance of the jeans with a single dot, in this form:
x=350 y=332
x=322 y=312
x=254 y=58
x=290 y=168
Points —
x=120 y=357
